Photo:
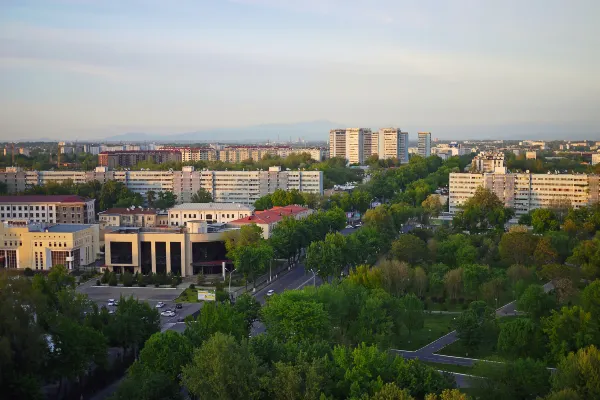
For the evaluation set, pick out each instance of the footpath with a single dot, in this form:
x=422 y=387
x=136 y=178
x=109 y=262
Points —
x=429 y=352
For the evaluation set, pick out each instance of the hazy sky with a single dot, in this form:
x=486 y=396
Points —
x=93 y=68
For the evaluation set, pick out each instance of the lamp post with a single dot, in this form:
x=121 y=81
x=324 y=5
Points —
x=230 y=273
x=314 y=277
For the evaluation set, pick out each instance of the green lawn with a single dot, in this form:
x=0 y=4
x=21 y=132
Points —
x=435 y=325
x=485 y=350
x=450 y=368
x=188 y=296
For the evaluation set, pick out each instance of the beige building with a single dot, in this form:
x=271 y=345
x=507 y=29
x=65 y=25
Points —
x=531 y=155
x=62 y=209
x=526 y=191
x=488 y=162
x=358 y=145
x=41 y=246
x=337 y=143
x=595 y=158
x=225 y=186
x=212 y=213
x=132 y=217
x=424 y=144
x=198 y=248
x=392 y=143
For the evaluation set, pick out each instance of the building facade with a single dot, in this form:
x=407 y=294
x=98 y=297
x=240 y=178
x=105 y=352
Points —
x=212 y=213
x=526 y=191
x=337 y=143
x=268 y=219
x=62 y=209
x=225 y=186
x=41 y=246
x=128 y=217
x=130 y=158
x=424 y=144
x=488 y=162
x=391 y=143
x=198 y=248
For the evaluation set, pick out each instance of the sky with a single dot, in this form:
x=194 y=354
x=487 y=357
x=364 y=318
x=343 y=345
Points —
x=86 y=69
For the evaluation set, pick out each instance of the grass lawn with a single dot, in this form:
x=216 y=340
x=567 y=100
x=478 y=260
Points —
x=435 y=325
x=188 y=296
x=461 y=369
x=485 y=350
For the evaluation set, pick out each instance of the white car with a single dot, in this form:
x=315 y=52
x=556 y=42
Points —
x=111 y=312
x=167 y=313
x=160 y=304
x=111 y=302
x=116 y=303
x=348 y=226
x=270 y=293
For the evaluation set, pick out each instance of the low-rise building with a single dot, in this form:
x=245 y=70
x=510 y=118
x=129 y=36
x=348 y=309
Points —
x=212 y=213
x=268 y=219
x=129 y=158
x=135 y=216
x=197 y=248
x=41 y=246
x=62 y=209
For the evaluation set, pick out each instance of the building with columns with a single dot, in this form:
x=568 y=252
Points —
x=196 y=248
x=41 y=246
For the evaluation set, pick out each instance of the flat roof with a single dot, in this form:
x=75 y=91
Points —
x=212 y=206
x=58 y=228
x=41 y=198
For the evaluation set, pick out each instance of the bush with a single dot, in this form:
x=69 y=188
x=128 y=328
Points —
x=105 y=276
x=192 y=286
x=127 y=279
x=142 y=281
x=28 y=272
x=112 y=279
x=98 y=283
x=157 y=284
x=200 y=279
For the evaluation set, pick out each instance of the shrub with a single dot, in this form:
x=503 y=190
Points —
x=98 y=283
x=127 y=278
x=112 y=279
x=192 y=286
x=28 y=272
x=200 y=279
x=105 y=276
x=157 y=284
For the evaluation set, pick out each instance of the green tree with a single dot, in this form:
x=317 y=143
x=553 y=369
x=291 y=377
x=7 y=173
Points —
x=413 y=315
x=448 y=394
x=419 y=281
x=329 y=257
x=222 y=318
x=483 y=211
x=165 y=200
x=590 y=299
x=521 y=338
x=250 y=253
x=521 y=379
x=578 y=372
x=587 y=255
x=544 y=220
x=536 y=302
x=202 y=196
x=147 y=385
x=568 y=330
x=150 y=197
x=545 y=253
x=166 y=353
x=433 y=205
x=453 y=282
x=263 y=203
x=396 y=277
x=409 y=248
x=390 y=391
x=223 y=369
x=517 y=248
x=249 y=307
x=474 y=276
x=474 y=324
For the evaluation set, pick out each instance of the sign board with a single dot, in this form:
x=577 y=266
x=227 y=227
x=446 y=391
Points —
x=206 y=295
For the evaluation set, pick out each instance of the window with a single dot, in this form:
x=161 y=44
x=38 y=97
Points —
x=65 y=244
x=20 y=208
x=37 y=208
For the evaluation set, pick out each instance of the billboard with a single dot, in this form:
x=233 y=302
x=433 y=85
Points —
x=206 y=295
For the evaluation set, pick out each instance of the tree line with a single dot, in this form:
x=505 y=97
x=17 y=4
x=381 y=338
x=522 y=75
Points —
x=54 y=340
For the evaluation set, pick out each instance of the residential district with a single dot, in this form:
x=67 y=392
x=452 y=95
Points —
x=364 y=267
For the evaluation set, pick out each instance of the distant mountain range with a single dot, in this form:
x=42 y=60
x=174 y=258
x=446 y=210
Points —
x=314 y=130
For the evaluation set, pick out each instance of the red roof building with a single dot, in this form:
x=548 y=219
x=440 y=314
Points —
x=267 y=219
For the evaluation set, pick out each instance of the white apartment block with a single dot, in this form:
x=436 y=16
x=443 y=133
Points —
x=236 y=154
x=526 y=191
x=595 y=158
x=424 y=144
x=392 y=143
x=219 y=213
x=488 y=162
x=225 y=186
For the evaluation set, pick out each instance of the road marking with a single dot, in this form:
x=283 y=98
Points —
x=302 y=284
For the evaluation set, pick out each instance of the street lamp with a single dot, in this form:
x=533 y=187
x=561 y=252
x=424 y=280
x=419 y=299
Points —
x=314 y=277
x=230 y=273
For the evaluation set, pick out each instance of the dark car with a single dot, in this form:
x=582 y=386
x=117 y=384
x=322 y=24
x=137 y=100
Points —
x=179 y=306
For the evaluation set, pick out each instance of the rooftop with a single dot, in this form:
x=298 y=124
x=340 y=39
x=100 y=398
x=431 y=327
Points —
x=213 y=206
x=271 y=215
x=58 y=228
x=129 y=211
x=138 y=151
x=41 y=198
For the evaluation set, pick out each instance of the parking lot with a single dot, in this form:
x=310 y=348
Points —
x=152 y=295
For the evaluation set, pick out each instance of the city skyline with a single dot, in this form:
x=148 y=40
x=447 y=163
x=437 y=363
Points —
x=76 y=69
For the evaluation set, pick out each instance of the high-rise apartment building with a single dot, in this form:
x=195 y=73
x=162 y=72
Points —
x=337 y=143
x=424 y=144
x=358 y=145
x=392 y=143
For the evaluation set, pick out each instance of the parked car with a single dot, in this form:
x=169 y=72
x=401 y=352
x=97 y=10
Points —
x=160 y=304
x=179 y=306
x=167 y=313
x=180 y=319
x=270 y=293
x=348 y=226
x=116 y=303
x=111 y=302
